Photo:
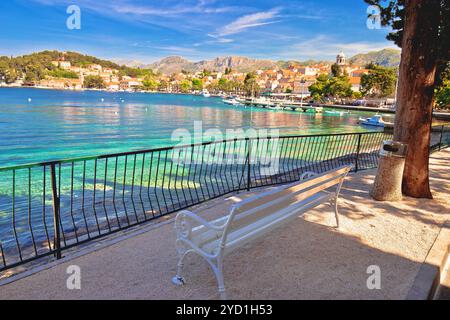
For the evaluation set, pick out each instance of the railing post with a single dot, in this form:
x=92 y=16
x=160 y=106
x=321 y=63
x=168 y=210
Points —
x=357 y=152
x=56 y=206
x=440 y=139
x=248 y=164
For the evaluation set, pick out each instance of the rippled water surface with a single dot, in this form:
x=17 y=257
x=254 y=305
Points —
x=40 y=125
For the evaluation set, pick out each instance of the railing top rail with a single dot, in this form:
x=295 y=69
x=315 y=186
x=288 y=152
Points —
x=121 y=154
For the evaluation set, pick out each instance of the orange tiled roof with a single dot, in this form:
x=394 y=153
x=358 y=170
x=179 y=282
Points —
x=355 y=80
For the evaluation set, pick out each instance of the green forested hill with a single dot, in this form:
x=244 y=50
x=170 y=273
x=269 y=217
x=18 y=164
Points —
x=36 y=66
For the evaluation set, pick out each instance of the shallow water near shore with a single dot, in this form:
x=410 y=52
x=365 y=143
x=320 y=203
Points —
x=41 y=125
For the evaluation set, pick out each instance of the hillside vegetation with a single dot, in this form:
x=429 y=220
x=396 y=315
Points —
x=37 y=66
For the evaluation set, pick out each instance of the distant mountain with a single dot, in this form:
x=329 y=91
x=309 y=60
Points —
x=129 y=63
x=241 y=64
x=173 y=64
x=176 y=64
x=285 y=64
x=385 y=58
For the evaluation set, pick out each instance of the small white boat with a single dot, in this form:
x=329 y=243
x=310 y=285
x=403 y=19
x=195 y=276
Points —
x=376 y=121
x=335 y=113
x=232 y=102
x=206 y=94
x=276 y=107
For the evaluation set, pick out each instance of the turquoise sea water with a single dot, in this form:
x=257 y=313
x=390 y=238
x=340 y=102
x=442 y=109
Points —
x=58 y=124
x=97 y=196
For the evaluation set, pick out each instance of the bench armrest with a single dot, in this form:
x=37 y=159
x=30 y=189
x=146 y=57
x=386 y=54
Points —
x=184 y=223
x=307 y=175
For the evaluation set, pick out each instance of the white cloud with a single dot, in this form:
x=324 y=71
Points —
x=248 y=21
x=126 y=7
x=169 y=11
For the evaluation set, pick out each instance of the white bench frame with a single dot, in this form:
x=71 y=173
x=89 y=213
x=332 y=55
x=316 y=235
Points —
x=188 y=223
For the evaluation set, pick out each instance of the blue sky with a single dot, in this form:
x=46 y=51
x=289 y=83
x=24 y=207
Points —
x=196 y=29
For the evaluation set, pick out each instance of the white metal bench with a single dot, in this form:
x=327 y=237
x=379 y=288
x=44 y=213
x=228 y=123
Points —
x=252 y=218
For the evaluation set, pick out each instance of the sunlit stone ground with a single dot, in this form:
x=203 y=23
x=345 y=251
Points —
x=306 y=259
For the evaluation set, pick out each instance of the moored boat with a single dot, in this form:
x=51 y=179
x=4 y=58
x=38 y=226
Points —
x=206 y=94
x=276 y=107
x=233 y=102
x=376 y=121
x=336 y=113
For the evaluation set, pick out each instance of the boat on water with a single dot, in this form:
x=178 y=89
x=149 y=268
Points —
x=205 y=93
x=276 y=107
x=335 y=113
x=310 y=109
x=376 y=121
x=232 y=102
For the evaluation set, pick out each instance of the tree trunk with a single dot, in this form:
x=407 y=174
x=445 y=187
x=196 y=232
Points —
x=415 y=93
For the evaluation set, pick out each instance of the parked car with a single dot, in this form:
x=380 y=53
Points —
x=359 y=103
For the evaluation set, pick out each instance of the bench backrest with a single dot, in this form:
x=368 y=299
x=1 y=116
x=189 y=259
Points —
x=267 y=203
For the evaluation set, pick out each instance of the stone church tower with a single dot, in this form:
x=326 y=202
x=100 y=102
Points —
x=341 y=61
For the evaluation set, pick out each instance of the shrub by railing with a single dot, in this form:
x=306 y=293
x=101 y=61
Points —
x=49 y=207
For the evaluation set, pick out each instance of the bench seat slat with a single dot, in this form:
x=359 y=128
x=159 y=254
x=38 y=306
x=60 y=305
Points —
x=201 y=234
x=277 y=201
x=253 y=218
x=293 y=188
x=265 y=224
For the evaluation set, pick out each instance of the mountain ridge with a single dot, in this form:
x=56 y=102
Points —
x=176 y=64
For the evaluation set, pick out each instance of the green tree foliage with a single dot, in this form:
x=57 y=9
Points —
x=197 y=84
x=357 y=95
x=94 y=82
x=163 y=85
x=60 y=73
x=317 y=89
x=206 y=73
x=9 y=75
x=334 y=87
x=37 y=65
x=185 y=86
x=251 y=86
x=224 y=85
x=149 y=83
x=443 y=91
x=31 y=77
x=443 y=95
x=230 y=86
x=379 y=82
x=336 y=70
x=393 y=15
x=339 y=87
x=213 y=87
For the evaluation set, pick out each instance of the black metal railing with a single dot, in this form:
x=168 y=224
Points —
x=47 y=208
x=440 y=137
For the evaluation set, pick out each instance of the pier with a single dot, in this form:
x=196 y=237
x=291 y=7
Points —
x=280 y=105
x=318 y=107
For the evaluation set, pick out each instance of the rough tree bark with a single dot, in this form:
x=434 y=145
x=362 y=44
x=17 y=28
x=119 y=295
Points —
x=415 y=94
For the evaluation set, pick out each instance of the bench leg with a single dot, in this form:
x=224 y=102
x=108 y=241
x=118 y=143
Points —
x=218 y=271
x=179 y=279
x=336 y=212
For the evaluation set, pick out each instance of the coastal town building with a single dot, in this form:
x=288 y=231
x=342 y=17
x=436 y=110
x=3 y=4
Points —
x=294 y=78
x=356 y=83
